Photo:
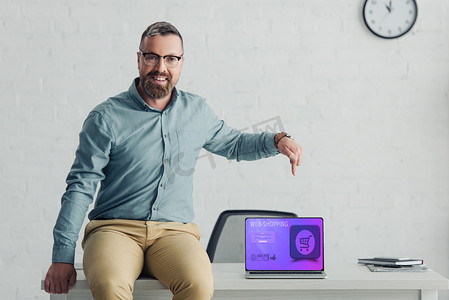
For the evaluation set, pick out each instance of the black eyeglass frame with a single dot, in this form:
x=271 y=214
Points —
x=160 y=56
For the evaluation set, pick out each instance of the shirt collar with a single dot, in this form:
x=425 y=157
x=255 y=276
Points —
x=142 y=104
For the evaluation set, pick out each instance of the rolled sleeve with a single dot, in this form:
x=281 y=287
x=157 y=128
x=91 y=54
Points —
x=233 y=144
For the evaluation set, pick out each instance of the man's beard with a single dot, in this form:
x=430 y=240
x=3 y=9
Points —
x=156 y=91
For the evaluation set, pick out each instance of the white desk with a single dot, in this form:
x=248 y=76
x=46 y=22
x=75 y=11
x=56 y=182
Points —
x=344 y=281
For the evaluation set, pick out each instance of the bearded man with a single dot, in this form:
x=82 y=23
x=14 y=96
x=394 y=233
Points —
x=142 y=146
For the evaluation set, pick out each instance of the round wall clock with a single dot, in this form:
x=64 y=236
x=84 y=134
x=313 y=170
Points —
x=390 y=19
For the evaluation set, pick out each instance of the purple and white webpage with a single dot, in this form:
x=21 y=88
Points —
x=284 y=244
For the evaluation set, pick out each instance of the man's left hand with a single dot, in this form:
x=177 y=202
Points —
x=291 y=149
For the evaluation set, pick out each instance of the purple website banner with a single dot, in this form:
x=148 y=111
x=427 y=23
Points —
x=284 y=244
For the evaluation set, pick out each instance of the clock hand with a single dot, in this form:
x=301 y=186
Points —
x=384 y=17
x=388 y=8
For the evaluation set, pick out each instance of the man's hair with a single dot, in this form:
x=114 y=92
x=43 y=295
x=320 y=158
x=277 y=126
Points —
x=160 y=28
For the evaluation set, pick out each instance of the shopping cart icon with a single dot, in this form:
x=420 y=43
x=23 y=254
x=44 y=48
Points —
x=304 y=243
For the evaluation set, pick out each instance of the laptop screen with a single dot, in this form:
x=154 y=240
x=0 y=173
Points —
x=284 y=244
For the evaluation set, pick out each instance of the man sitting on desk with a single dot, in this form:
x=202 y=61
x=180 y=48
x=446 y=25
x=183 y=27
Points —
x=142 y=145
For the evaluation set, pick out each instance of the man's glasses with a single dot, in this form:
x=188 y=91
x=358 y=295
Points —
x=151 y=59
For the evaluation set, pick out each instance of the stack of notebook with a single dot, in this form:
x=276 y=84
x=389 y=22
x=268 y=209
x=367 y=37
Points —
x=393 y=264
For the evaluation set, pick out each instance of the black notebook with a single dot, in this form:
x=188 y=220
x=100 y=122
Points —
x=390 y=261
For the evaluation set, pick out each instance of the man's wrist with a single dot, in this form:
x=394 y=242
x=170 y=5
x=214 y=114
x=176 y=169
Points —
x=278 y=137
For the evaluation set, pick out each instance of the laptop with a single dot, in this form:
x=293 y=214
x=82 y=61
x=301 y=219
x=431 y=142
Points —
x=284 y=247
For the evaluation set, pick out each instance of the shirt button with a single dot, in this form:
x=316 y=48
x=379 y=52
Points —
x=162 y=185
x=166 y=160
x=165 y=135
x=154 y=208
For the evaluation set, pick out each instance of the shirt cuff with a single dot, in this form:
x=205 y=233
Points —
x=63 y=254
x=269 y=143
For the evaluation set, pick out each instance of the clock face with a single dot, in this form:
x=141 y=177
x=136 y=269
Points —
x=390 y=18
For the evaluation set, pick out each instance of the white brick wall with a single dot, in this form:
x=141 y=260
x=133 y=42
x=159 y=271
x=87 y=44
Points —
x=372 y=116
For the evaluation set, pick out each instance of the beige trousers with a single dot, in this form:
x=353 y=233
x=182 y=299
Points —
x=116 y=252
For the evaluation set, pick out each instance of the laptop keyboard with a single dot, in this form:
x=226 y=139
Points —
x=286 y=272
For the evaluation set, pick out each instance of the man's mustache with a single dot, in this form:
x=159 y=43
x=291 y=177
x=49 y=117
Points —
x=157 y=73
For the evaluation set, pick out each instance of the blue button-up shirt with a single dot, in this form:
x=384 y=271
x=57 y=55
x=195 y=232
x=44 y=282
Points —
x=144 y=159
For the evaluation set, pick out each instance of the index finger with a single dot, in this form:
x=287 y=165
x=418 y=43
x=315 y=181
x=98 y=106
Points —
x=300 y=156
x=47 y=285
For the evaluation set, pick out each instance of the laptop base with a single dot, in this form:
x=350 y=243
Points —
x=285 y=275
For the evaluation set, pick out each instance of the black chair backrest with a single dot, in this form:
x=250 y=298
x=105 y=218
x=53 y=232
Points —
x=226 y=243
